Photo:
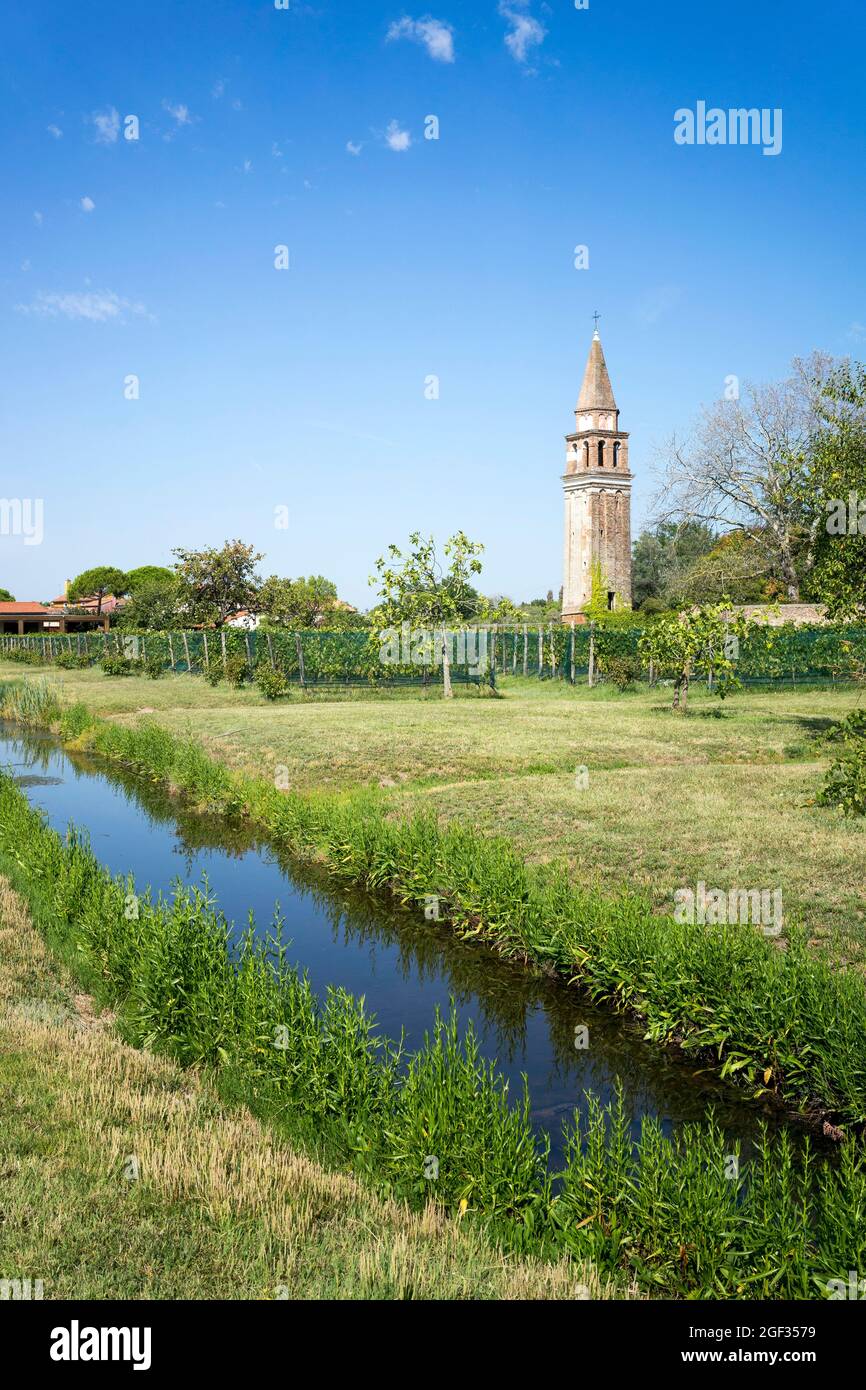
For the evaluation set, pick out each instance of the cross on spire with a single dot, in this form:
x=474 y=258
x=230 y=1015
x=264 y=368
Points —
x=596 y=316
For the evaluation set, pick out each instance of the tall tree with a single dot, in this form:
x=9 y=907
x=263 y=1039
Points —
x=147 y=574
x=662 y=554
x=420 y=589
x=746 y=468
x=97 y=582
x=297 y=602
x=155 y=606
x=216 y=582
x=838 y=493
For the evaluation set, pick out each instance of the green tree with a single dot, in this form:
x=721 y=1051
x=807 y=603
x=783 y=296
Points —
x=147 y=574
x=99 y=581
x=738 y=567
x=662 y=554
x=700 y=640
x=296 y=603
x=837 y=494
x=155 y=606
x=6 y=597
x=216 y=582
x=419 y=589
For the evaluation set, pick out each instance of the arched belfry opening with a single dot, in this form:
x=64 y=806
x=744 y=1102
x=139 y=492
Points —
x=597 y=486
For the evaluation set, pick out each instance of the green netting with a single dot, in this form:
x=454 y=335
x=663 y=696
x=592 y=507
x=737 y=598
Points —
x=548 y=652
x=307 y=658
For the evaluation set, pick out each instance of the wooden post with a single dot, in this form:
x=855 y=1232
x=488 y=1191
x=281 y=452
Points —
x=652 y=673
x=186 y=654
x=223 y=647
x=571 y=654
x=171 y=651
x=206 y=653
x=525 y=649
x=591 y=681
x=300 y=658
x=540 y=653
x=513 y=653
x=249 y=650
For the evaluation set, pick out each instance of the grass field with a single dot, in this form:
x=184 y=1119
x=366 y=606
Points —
x=721 y=795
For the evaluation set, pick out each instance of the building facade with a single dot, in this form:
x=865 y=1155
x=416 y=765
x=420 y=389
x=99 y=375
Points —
x=597 y=486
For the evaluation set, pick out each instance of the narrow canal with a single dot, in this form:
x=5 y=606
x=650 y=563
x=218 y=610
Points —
x=404 y=966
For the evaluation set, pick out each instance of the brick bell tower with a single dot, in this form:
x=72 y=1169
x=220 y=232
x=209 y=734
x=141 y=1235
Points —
x=597 y=487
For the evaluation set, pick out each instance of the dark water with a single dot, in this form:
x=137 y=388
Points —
x=403 y=965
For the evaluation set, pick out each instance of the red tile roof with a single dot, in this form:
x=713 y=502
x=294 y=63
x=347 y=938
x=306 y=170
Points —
x=24 y=608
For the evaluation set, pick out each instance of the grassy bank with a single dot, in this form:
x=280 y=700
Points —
x=676 y=1217
x=791 y=1024
x=723 y=796
x=221 y=1208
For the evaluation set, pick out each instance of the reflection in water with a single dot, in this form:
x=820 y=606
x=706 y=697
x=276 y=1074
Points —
x=404 y=966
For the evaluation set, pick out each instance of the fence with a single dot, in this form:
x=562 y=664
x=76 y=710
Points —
x=549 y=651
x=306 y=658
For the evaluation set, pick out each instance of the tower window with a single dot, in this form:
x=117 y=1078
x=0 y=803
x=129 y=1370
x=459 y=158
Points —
x=616 y=453
x=610 y=599
x=601 y=453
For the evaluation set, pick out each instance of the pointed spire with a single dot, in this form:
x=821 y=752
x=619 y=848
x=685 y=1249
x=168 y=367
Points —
x=596 y=393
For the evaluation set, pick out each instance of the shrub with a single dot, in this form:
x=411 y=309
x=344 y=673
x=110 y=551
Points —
x=154 y=666
x=213 y=673
x=236 y=669
x=116 y=666
x=71 y=661
x=845 y=783
x=25 y=656
x=272 y=683
x=622 y=670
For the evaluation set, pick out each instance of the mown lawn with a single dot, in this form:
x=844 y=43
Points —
x=722 y=795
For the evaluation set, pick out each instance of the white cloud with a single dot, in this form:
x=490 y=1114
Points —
x=98 y=306
x=248 y=164
x=436 y=36
x=276 y=151
x=218 y=88
x=180 y=112
x=353 y=148
x=37 y=218
x=525 y=32
x=55 y=131
x=87 y=204
x=107 y=125
x=397 y=139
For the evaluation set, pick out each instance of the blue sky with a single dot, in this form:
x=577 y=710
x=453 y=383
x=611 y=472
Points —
x=409 y=258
